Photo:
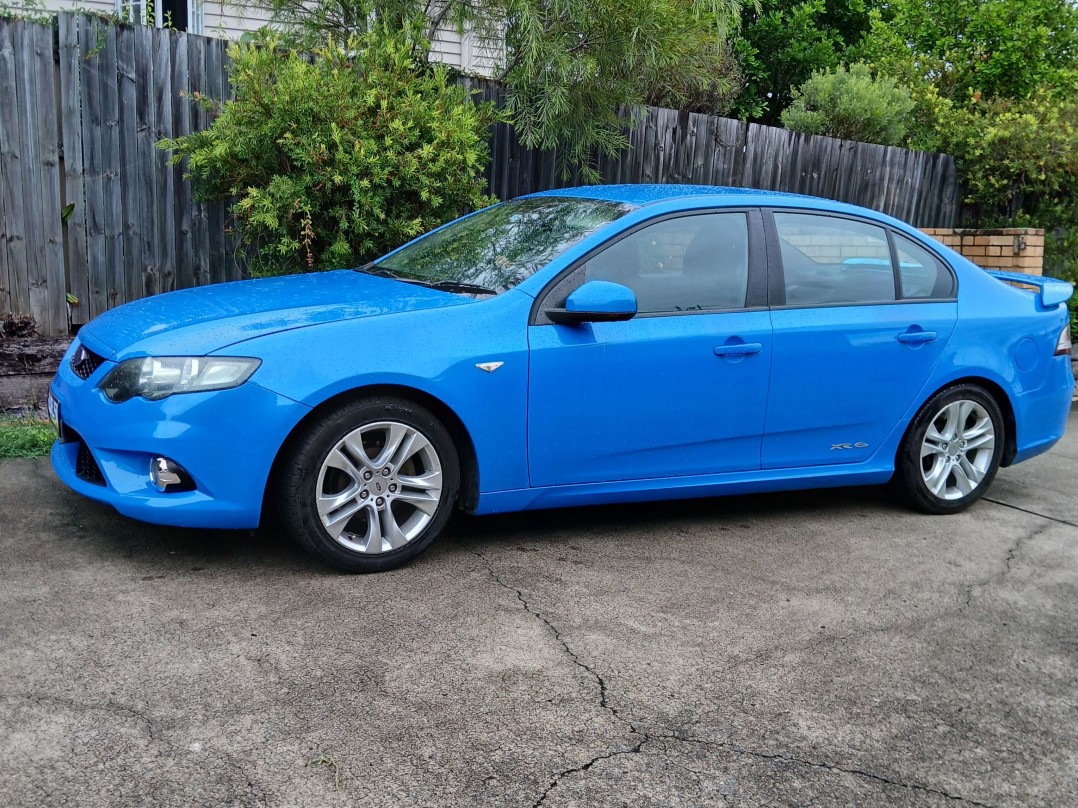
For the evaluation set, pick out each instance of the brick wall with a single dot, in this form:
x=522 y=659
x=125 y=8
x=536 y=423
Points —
x=1013 y=249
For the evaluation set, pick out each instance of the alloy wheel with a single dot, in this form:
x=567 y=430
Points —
x=957 y=450
x=379 y=487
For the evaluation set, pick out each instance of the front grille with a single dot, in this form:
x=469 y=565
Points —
x=86 y=467
x=85 y=362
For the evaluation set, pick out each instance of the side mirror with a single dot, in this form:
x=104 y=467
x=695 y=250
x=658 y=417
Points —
x=596 y=302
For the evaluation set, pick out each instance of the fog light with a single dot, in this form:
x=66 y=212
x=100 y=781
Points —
x=169 y=476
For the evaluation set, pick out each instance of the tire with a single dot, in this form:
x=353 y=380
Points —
x=951 y=451
x=368 y=486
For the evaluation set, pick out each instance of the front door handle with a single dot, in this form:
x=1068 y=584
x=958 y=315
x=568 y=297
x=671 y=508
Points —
x=739 y=349
x=917 y=337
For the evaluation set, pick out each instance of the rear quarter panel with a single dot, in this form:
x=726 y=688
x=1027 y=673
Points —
x=1003 y=335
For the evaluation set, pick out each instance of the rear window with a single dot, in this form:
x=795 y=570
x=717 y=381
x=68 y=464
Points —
x=921 y=274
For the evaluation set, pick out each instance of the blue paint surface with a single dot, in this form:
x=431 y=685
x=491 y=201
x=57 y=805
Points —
x=688 y=403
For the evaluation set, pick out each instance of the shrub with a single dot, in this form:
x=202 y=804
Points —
x=335 y=157
x=1019 y=164
x=850 y=104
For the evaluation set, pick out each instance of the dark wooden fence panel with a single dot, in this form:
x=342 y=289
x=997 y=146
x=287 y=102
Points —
x=134 y=228
x=666 y=146
x=90 y=206
x=31 y=232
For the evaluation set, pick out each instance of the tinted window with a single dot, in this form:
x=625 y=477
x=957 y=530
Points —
x=826 y=259
x=499 y=247
x=690 y=263
x=921 y=274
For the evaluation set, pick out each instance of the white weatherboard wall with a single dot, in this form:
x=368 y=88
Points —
x=232 y=20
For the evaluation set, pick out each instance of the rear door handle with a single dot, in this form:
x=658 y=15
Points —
x=917 y=337
x=739 y=349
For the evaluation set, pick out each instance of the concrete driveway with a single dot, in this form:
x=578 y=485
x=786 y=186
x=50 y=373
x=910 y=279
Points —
x=810 y=649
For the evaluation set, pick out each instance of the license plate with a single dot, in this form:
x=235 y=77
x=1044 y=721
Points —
x=54 y=412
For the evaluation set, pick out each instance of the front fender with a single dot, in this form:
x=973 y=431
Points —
x=434 y=351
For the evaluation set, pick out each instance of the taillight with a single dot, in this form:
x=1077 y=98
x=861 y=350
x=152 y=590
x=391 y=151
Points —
x=1063 y=344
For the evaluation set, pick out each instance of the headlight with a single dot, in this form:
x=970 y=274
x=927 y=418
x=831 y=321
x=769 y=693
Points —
x=156 y=377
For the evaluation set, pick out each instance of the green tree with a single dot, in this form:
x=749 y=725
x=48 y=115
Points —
x=977 y=48
x=994 y=83
x=1019 y=166
x=783 y=42
x=569 y=65
x=335 y=159
x=850 y=104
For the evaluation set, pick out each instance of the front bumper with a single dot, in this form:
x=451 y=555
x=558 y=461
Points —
x=226 y=441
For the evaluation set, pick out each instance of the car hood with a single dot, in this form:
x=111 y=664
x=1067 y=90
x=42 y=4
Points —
x=199 y=321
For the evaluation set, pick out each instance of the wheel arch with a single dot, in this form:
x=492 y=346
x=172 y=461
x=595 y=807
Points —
x=998 y=394
x=469 y=463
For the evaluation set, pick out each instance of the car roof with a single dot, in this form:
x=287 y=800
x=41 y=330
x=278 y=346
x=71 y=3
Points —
x=676 y=196
x=650 y=194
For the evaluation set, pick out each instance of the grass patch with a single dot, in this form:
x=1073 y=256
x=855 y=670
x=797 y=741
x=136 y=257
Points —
x=25 y=437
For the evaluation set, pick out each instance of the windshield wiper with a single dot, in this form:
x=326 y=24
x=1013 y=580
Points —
x=453 y=286
x=371 y=268
x=442 y=286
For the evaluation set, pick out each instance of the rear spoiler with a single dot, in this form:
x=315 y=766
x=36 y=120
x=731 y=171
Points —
x=1051 y=291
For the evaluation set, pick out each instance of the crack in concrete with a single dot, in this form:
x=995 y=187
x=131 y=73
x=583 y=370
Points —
x=584 y=767
x=825 y=766
x=1031 y=513
x=648 y=737
x=594 y=674
x=258 y=794
x=161 y=745
x=1012 y=551
x=109 y=706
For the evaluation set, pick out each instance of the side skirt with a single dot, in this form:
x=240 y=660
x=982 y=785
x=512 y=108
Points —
x=705 y=485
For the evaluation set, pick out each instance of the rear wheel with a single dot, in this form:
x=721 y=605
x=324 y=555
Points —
x=370 y=485
x=952 y=450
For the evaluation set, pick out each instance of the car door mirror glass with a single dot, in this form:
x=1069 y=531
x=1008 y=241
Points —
x=594 y=302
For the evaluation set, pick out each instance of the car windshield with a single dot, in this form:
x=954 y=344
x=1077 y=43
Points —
x=499 y=247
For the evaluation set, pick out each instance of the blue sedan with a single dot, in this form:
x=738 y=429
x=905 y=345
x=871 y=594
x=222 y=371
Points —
x=581 y=346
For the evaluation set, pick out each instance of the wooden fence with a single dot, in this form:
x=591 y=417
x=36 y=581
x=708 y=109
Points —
x=89 y=206
x=667 y=146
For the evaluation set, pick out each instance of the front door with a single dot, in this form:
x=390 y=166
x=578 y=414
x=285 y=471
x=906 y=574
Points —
x=681 y=389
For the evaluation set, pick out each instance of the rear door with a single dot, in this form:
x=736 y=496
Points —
x=861 y=315
x=680 y=389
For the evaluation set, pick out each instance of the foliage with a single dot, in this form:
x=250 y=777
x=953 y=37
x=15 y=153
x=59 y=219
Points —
x=26 y=11
x=708 y=80
x=978 y=48
x=572 y=65
x=783 y=42
x=569 y=65
x=994 y=83
x=1019 y=160
x=25 y=437
x=850 y=104
x=334 y=159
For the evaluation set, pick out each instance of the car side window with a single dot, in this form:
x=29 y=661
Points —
x=690 y=263
x=831 y=260
x=920 y=273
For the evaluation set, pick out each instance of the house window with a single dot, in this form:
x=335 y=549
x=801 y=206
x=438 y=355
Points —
x=182 y=15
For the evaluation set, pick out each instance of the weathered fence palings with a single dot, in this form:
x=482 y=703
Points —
x=668 y=146
x=111 y=221
x=90 y=206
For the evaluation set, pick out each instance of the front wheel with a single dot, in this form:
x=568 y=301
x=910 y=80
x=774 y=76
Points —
x=370 y=485
x=952 y=450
